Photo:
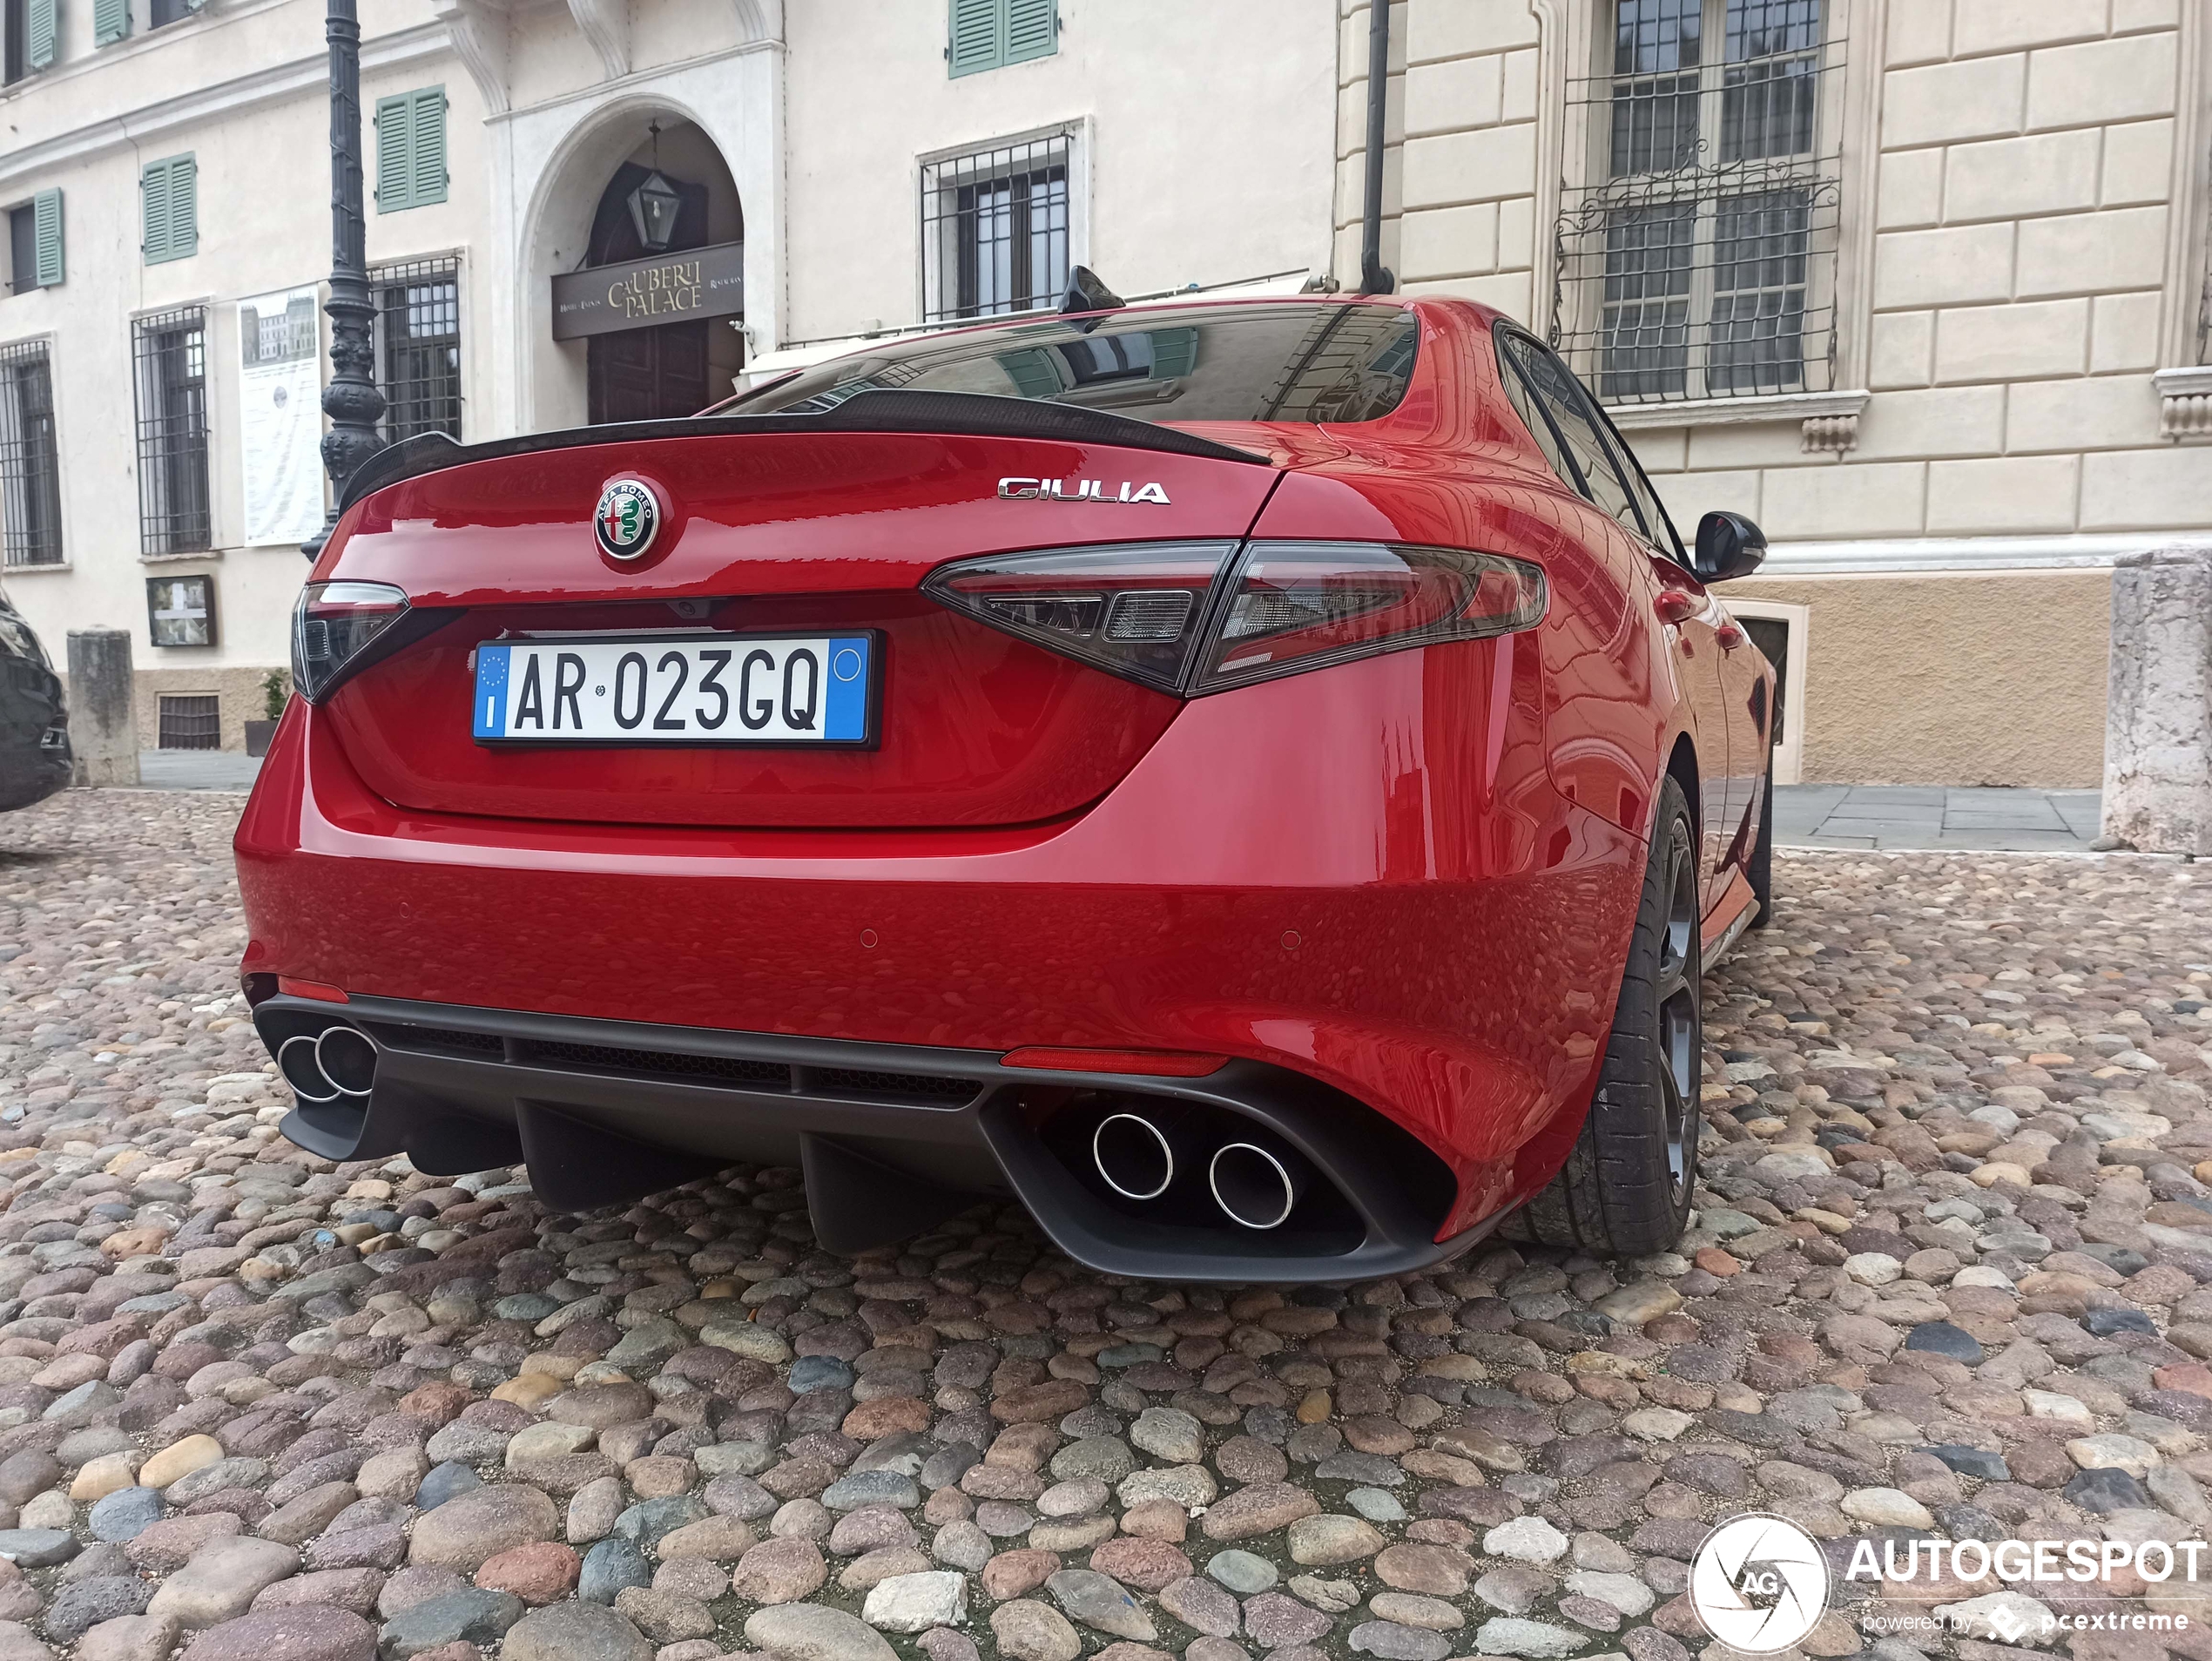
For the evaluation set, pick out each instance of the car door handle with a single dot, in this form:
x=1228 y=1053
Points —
x=1730 y=634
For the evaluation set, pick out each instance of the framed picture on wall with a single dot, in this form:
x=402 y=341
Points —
x=180 y=610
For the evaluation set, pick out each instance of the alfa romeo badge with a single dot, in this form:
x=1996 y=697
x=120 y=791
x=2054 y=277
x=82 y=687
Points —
x=628 y=518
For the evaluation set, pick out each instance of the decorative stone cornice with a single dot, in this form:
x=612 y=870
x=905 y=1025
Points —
x=1896 y=555
x=221 y=101
x=605 y=23
x=478 y=29
x=2185 y=402
x=760 y=20
x=1828 y=421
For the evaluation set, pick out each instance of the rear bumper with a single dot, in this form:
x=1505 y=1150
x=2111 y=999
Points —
x=891 y=1138
x=1359 y=883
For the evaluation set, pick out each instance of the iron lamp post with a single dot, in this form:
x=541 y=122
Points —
x=351 y=400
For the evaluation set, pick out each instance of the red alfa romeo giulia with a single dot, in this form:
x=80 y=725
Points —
x=1256 y=780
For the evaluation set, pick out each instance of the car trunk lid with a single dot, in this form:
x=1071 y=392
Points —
x=771 y=532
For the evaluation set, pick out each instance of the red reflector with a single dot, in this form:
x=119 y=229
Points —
x=1156 y=1063
x=314 y=990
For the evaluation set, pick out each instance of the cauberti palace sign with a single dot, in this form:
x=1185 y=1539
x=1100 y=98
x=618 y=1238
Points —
x=667 y=289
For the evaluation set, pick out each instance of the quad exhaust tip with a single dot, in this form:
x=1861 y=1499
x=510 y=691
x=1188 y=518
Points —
x=1255 y=1186
x=1133 y=1155
x=320 y=1067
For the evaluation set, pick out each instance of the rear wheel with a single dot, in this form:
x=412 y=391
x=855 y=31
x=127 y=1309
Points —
x=1625 y=1189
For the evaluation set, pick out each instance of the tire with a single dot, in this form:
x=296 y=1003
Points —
x=1625 y=1189
x=1759 y=871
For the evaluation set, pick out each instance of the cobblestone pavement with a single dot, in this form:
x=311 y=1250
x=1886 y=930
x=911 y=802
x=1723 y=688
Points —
x=1949 y=1280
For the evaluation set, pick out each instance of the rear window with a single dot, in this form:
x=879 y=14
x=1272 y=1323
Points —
x=1331 y=363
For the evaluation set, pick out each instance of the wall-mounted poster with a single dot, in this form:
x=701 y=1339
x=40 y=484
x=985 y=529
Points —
x=280 y=416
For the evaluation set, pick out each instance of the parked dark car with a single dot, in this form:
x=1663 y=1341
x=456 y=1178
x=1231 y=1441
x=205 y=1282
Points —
x=34 y=717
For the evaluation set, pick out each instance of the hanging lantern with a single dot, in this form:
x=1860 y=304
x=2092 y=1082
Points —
x=653 y=207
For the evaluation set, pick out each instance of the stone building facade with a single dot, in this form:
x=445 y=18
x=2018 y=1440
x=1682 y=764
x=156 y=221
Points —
x=1920 y=288
x=839 y=167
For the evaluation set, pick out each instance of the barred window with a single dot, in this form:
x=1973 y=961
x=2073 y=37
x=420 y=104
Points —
x=30 y=475
x=994 y=230
x=418 y=347
x=1697 y=245
x=169 y=354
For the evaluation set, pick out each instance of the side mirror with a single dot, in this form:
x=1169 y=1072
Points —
x=1728 y=545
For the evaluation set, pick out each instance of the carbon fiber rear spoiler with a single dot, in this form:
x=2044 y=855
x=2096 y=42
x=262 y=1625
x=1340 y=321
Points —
x=879 y=410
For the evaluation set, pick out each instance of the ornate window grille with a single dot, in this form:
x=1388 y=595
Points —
x=1697 y=240
x=418 y=347
x=169 y=352
x=31 y=477
x=994 y=230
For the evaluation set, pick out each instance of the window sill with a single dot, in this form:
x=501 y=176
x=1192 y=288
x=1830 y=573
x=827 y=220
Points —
x=14 y=571
x=1828 y=421
x=171 y=559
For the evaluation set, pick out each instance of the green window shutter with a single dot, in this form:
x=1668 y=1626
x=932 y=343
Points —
x=170 y=191
x=1175 y=352
x=427 y=147
x=39 y=36
x=1032 y=29
x=154 y=214
x=184 y=206
x=46 y=229
x=978 y=36
x=395 y=147
x=110 y=20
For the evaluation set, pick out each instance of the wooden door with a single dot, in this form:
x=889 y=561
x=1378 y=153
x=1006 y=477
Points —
x=656 y=374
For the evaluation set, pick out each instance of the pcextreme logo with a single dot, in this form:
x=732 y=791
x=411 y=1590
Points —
x=1079 y=491
x=1759 y=1584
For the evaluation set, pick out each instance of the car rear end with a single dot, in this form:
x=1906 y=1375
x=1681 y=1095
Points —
x=944 y=794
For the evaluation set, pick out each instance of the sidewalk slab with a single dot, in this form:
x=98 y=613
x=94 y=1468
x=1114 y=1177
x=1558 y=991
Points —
x=197 y=770
x=1977 y=818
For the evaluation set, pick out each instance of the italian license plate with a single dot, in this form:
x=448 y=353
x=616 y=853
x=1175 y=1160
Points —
x=693 y=690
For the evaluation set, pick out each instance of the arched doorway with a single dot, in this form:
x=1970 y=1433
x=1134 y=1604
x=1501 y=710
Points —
x=653 y=369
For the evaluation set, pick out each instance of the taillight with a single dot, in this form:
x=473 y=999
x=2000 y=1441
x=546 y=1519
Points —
x=332 y=625
x=1137 y=610
x=1202 y=617
x=1299 y=605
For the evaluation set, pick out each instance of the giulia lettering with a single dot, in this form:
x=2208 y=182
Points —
x=1022 y=489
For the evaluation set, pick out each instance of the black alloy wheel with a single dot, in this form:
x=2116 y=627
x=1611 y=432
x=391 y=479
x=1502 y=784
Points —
x=1625 y=1189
